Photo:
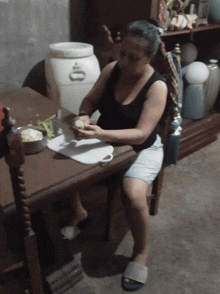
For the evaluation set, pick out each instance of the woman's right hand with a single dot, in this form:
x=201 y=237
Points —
x=84 y=118
x=86 y=121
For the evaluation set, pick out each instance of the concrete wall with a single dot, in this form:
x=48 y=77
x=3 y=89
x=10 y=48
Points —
x=27 y=27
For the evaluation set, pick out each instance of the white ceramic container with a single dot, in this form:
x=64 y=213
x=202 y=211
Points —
x=71 y=69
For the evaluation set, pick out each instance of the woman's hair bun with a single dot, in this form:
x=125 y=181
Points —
x=153 y=21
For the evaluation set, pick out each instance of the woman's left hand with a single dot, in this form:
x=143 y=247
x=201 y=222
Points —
x=90 y=132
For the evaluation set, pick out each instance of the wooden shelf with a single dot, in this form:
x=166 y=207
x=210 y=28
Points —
x=194 y=30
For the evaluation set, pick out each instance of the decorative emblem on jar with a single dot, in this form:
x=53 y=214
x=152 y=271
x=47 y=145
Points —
x=77 y=74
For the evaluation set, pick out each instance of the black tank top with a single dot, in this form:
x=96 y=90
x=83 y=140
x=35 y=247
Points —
x=115 y=116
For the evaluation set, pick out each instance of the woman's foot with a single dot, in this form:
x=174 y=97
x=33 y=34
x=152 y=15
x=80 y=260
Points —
x=71 y=231
x=136 y=272
x=79 y=216
x=135 y=276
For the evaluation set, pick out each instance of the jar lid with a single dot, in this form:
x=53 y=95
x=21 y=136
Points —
x=213 y=60
x=71 y=49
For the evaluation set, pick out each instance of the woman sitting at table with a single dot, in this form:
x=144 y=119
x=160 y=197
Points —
x=131 y=97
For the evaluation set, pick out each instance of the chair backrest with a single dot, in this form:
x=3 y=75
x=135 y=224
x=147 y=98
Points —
x=11 y=149
x=168 y=63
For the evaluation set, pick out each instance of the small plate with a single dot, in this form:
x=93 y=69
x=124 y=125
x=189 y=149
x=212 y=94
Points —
x=35 y=146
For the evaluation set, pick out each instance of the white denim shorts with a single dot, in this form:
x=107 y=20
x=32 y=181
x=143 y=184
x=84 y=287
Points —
x=147 y=164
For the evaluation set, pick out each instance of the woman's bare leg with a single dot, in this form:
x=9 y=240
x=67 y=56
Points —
x=134 y=192
x=79 y=212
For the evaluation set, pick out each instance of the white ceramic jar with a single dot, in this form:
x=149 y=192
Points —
x=71 y=69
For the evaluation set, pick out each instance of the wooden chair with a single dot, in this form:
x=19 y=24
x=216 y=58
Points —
x=27 y=255
x=170 y=121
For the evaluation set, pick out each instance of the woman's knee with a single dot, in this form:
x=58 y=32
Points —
x=134 y=191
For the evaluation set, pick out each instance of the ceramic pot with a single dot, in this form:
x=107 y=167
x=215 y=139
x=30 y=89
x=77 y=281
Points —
x=212 y=84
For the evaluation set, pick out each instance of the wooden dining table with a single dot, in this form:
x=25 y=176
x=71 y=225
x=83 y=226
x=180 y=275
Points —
x=49 y=176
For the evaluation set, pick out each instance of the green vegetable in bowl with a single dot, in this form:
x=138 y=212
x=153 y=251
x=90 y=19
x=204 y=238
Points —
x=48 y=126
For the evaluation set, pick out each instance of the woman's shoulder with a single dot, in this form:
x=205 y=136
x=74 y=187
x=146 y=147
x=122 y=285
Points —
x=157 y=83
x=158 y=89
x=109 y=67
x=108 y=70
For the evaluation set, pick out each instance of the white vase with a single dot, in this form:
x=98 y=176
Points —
x=212 y=84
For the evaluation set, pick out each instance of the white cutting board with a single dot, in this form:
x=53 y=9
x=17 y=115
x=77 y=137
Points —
x=87 y=151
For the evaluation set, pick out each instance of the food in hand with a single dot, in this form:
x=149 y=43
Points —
x=79 y=124
x=31 y=135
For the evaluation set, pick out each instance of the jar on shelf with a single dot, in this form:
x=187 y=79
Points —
x=71 y=70
x=212 y=84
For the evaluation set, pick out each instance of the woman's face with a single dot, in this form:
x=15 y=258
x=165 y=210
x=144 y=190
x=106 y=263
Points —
x=132 y=58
